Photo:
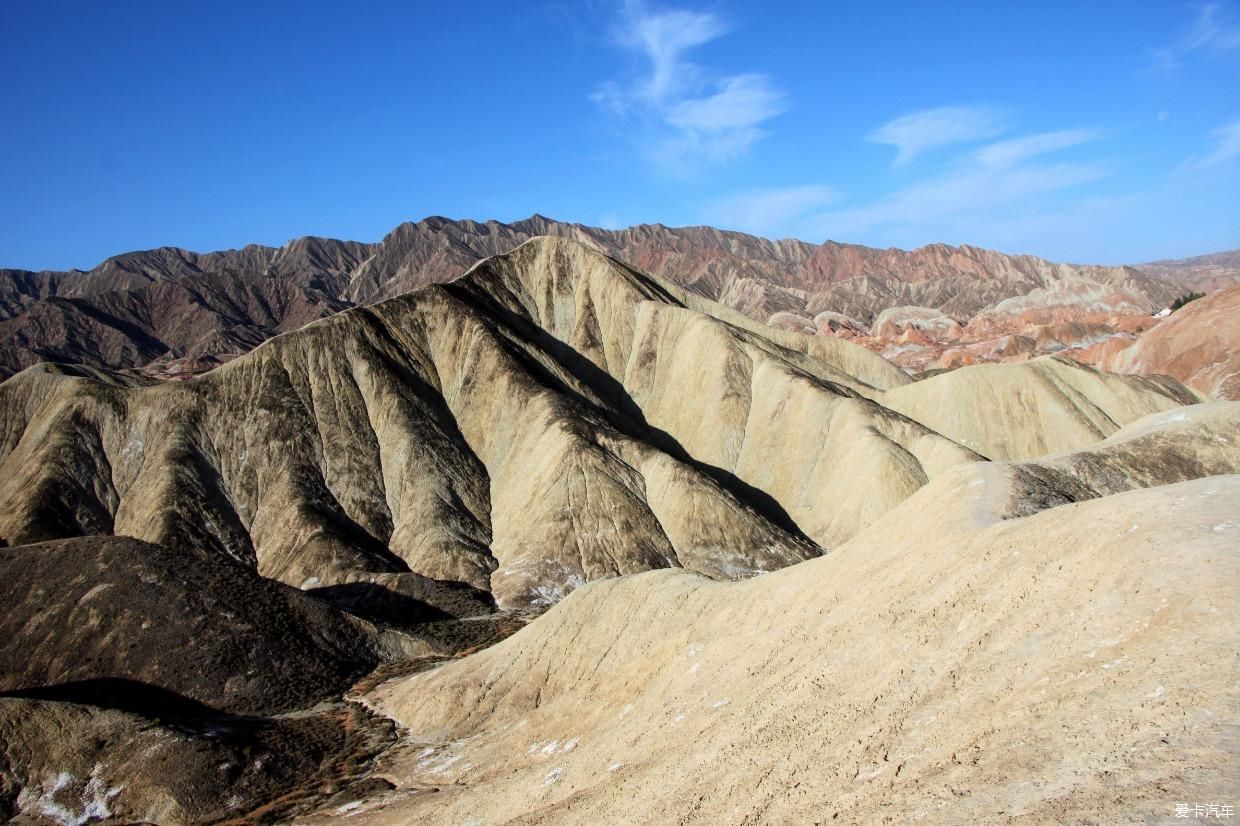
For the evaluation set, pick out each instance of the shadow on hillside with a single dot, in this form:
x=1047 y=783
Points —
x=378 y=603
x=631 y=420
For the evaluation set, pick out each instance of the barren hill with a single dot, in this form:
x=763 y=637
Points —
x=1010 y=643
x=174 y=312
x=1205 y=273
x=551 y=418
x=1199 y=344
x=558 y=432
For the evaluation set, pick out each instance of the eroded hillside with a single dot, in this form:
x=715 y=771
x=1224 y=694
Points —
x=278 y=590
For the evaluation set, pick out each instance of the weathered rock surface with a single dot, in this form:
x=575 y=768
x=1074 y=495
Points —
x=1019 y=411
x=139 y=683
x=1011 y=642
x=123 y=752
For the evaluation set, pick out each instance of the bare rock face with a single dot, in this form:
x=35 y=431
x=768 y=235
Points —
x=1199 y=344
x=149 y=309
x=894 y=322
x=125 y=753
x=551 y=418
x=138 y=683
x=1061 y=405
x=829 y=323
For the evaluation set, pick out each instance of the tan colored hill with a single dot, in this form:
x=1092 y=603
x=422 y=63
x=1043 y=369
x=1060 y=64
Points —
x=521 y=431
x=1021 y=411
x=1199 y=344
x=552 y=418
x=1014 y=642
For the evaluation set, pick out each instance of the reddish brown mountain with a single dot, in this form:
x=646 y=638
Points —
x=1206 y=273
x=1199 y=344
x=170 y=312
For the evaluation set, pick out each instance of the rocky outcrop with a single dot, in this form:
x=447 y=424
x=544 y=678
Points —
x=139 y=683
x=551 y=418
x=895 y=322
x=192 y=623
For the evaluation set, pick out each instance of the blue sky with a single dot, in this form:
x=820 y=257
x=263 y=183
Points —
x=1081 y=131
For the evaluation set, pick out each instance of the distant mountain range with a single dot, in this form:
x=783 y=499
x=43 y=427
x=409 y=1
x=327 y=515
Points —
x=170 y=312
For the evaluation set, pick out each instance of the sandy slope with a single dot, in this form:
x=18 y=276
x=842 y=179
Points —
x=948 y=665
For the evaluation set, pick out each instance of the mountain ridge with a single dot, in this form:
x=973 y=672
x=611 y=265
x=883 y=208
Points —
x=173 y=312
x=544 y=375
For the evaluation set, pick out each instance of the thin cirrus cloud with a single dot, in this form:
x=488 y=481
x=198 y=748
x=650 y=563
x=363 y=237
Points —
x=684 y=112
x=1209 y=33
x=1226 y=148
x=1010 y=152
x=930 y=129
x=1006 y=181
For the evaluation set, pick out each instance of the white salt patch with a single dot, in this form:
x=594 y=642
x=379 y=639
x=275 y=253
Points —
x=94 y=800
x=553 y=776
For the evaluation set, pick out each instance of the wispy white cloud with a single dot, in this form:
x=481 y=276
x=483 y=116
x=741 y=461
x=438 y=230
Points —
x=768 y=211
x=986 y=191
x=1226 y=148
x=1209 y=32
x=973 y=190
x=929 y=129
x=1008 y=153
x=684 y=112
